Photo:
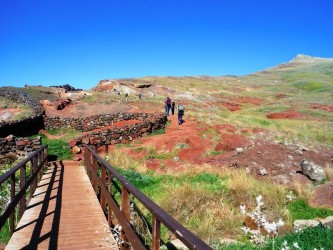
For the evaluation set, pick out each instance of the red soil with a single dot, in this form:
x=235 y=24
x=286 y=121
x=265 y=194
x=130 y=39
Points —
x=230 y=142
x=251 y=100
x=288 y=114
x=327 y=108
x=192 y=143
x=232 y=106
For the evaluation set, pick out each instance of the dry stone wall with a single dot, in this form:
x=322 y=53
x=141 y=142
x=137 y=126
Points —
x=95 y=122
x=11 y=147
x=124 y=134
x=26 y=126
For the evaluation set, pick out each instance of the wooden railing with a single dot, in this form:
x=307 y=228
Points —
x=104 y=179
x=27 y=177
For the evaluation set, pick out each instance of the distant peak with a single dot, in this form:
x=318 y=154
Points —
x=301 y=58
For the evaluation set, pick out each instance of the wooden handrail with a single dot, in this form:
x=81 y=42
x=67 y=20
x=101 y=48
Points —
x=38 y=160
x=93 y=162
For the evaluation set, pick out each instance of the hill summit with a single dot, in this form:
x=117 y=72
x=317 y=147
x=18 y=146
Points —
x=301 y=58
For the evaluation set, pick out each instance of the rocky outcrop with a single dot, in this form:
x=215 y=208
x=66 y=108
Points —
x=313 y=171
x=66 y=87
x=11 y=147
x=60 y=104
x=25 y=126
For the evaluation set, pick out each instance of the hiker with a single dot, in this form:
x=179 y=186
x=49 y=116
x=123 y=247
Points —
x=180 y=114
x=126 y=96
x=167 y=103
x=140 y=96
x=173 y=108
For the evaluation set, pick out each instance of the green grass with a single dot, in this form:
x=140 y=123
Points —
x=58 y=148
x=5 y=233
x=307 y=239
x=157 y=132
x=65 y=133
x=312 y=86
x=300 y=210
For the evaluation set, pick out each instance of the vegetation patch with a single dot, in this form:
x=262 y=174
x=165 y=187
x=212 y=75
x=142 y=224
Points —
x=58 y=149
x=311 y=86
x=300 y=210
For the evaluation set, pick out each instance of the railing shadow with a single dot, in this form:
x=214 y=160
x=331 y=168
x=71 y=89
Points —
x=52 y=235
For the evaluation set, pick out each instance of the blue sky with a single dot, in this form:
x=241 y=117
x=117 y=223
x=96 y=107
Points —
x=81 y=42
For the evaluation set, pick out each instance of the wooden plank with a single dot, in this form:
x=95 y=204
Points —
x=64 y=213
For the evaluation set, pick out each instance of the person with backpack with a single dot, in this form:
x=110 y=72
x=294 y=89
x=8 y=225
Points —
x=126 y=96
x=167 y=105
x=173 y=108
x=180 y=114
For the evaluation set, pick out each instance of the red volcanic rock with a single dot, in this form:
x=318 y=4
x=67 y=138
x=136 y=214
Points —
x=322 y=107
x=116 y=136
x=144 y=130
x=288 y=114
x=61 y=104
x=230 y=142
x=22 y=143
x=85 y=140
x=94 y=141
x=72 y=143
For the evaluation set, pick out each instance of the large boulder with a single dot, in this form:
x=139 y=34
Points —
x=327 y=222
x=299 y=225
x=313 y=171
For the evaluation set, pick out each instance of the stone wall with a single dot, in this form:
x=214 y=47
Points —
x=11 y=147
x=122 y=134
x=95 y=122
x=26 y=126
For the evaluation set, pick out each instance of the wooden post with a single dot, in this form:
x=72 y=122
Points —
x=110 y=191
x=103 y=179
x=156 y=234
x=94 y=180
x=23 y=201
x=12 y=196
x=125 y=208
x=41 y=157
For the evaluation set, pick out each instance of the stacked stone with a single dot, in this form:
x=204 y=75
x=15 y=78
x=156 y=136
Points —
x=11 y=147
x=118 y=135
x=94 y=122
x=27 y=125
x=23 y=97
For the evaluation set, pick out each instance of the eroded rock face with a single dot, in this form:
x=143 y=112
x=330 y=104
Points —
x=313 y=171
x=61 y=103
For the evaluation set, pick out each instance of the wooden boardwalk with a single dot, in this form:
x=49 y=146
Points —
x=64 y=213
